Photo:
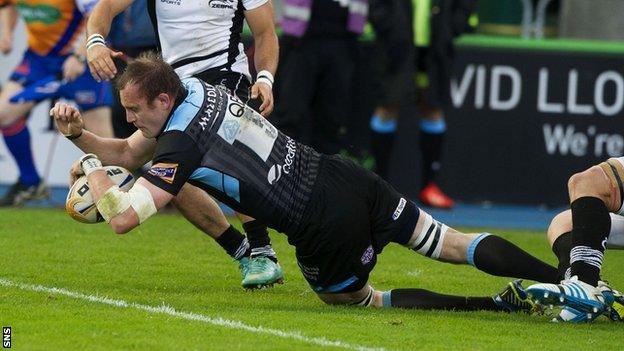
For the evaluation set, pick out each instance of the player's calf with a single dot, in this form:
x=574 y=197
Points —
x=489 y=253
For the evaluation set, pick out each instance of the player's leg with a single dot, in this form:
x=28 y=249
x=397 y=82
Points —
x=593 y=194
x=511 y=299
x=17 y=139
x=488 y=253
x=560 y=239
x=201 y=210
x=433 y=82
x=263 y=268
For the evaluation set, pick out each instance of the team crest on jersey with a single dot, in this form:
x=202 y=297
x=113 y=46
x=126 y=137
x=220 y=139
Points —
x=164 y=171
x=221 y=4
x=230 y=130
x=368 y=255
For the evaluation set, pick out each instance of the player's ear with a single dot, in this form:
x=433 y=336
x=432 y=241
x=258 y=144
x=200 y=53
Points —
x=164 y=100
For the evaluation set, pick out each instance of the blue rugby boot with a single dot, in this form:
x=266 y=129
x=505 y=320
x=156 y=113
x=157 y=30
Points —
x=571 y=293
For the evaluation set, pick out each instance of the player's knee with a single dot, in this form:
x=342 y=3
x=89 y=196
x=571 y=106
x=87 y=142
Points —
x=561 y=223
x=588 y=183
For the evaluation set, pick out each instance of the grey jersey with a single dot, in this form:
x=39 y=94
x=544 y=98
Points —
x=214 y=141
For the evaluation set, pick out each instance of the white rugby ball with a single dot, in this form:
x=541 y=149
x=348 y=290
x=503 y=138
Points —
x=79 y=203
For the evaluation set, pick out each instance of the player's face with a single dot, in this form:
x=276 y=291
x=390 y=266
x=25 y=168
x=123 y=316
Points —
x=147 y=117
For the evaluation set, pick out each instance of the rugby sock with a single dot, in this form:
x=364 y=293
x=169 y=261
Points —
x=427 y=300
x=382 y=140
x=591 y=225
x=259 y=240
x=497 y=256
x=234 y=243
x=561 y=247
x=17 y=139
x=431 y=141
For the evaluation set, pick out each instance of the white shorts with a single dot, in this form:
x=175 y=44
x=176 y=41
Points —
x=616 y=236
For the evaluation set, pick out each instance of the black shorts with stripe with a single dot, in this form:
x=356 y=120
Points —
x=352 y=215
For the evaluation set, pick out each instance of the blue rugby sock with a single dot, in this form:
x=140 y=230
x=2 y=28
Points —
x=17 y=139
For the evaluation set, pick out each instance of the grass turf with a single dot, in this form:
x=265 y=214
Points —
x=168 y=262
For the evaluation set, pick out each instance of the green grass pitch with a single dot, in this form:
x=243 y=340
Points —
x=167 y=264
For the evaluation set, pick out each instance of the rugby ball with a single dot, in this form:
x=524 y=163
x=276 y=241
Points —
x=79 y=203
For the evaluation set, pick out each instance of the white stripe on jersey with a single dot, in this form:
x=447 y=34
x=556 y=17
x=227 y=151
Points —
x=192 y=28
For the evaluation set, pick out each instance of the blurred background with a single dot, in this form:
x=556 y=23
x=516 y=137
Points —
x=466 y=106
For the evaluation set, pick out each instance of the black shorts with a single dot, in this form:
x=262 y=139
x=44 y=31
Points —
x=236 y=84
x=352 y=215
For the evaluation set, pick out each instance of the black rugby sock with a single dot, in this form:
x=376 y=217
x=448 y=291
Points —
x=497 y=256
x=591 y=225
x=561 y=247
x=234 y=243
x=428 y=300
x=259 y=240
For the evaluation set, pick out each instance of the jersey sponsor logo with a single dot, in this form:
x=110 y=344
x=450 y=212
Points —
x=399 y=209
x=45 y=14
x=209 y=111
x=236 y=109
x=275 y=173
x=172 y=2
x=221 y=4
x=164 y=171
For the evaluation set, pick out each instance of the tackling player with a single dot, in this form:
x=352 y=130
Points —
x=338 y=215
x=53 y=66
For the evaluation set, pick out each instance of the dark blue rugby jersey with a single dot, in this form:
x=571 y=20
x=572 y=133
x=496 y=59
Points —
x=217 y=143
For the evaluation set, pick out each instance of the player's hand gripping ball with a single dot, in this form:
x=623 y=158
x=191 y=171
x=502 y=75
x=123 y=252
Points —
x=79 y=204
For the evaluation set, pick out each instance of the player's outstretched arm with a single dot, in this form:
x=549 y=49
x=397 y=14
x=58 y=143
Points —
x=99 y=56
x=131 y=153
x=266 y=54
x=122 y=210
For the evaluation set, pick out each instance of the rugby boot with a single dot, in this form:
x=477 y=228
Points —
x=573 y=293
x=262 y=272
x=20 y=193
x=433 y=196
x=572 y=315
x=614 y=300
x=243 y=266
x=514 y=299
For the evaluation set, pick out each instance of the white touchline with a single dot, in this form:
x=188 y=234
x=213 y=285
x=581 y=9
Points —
x=189 y=316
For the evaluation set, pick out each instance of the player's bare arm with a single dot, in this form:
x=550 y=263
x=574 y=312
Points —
x=261 y=23
x=99 y=56
x=122 y=210
x=8 y=16
x=130 y=153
